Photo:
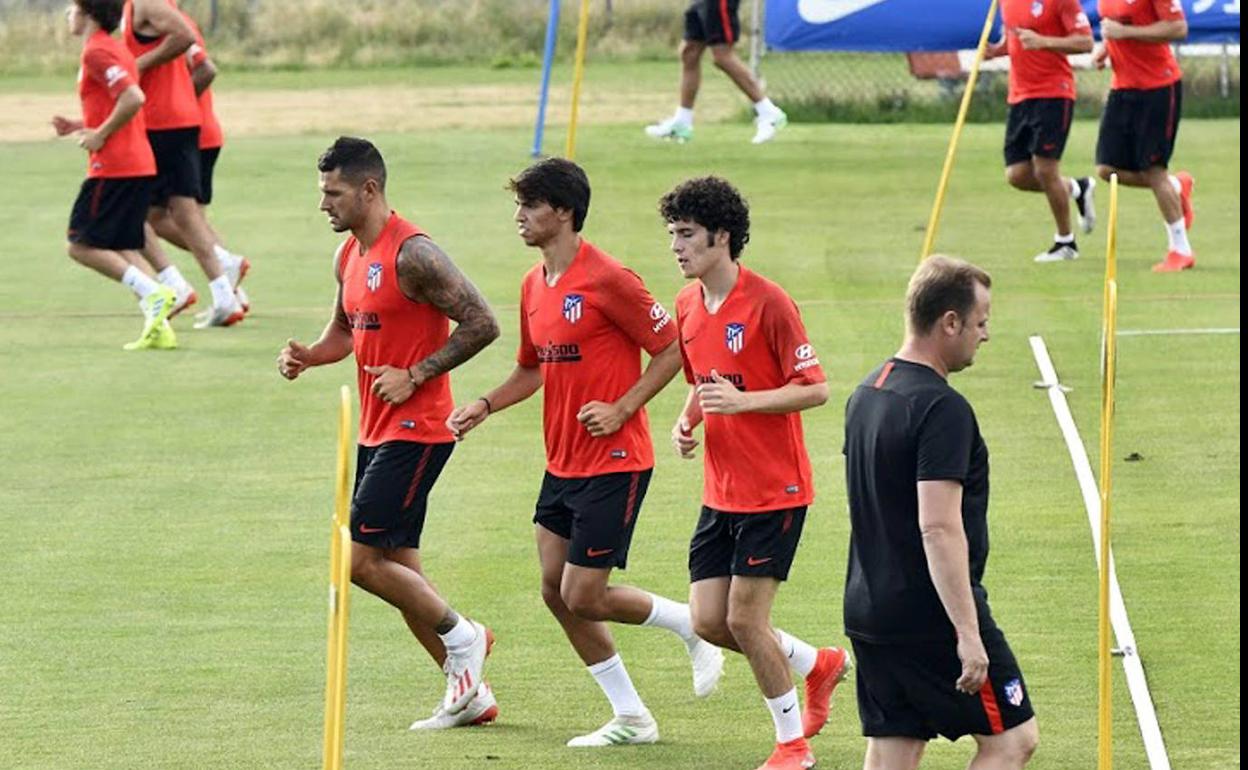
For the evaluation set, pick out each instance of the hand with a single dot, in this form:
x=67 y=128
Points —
x=465 y=418
x=1113 y=30
x=719 y=396
x=683 y=440
x=64 y=126
x=602 y=419
x=1029 y=39
x=1100 y=56
x=974 y=664
x=90 y=140
x=293 y=359
x=997 y=49
x=394 y=384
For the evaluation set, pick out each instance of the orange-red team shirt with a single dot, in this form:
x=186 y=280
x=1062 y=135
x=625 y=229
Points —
x=106 y=70
x=170 y=94
x=1041 y=74
x=1136 y=64
x=752 y=462
x=388 y=328
x=586 y=334
x=210 y=134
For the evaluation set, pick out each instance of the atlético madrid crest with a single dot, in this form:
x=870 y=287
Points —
x=374 y=276
x=1037 y=8
x=573 y=307
x=1014 y=692
x=734 y=337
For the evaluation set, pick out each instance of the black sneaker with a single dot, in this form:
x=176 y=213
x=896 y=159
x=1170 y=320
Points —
x=1059 y=252
x=1084 y=204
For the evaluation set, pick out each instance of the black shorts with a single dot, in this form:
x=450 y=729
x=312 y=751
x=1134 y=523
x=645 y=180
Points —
x=713 y=22
x=392 y=483
x=596 y=515
x=109 y=213
x=1138 y=128
x=207 y=163
x=1037 y=127
x=906 y=690
x=746 y=544
x=177 y=163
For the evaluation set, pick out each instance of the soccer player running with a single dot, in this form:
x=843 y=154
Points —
x=107 y=217
x=931 y=660
x=715 y=24
x=752 y=370
x=397 y=293
x=158 y=36
x=584 y=320
x=1141 y=117
x=1038 y=36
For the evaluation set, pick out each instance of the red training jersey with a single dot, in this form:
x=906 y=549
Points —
x=1140 y=65
x=170 y=95
x=210 y=134
x=586 y=334
x=752 y=462
x=1041 y=74
x=388 y=328
x=106 y=70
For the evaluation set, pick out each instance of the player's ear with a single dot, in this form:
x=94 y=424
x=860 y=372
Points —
x=950 y=323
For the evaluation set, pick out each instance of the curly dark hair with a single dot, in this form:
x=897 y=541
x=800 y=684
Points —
x=713 y=203
x=556 y=181
x=107 y=13
x=357 y=160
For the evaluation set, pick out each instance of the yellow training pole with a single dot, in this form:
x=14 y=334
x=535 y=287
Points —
x=934 y=221
x=339 y=597
x=582 y=33
x=1109 y=331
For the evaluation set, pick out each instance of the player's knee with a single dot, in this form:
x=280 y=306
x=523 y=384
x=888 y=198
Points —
x=552 y=596
x=1015 y=747
x=1018 y=176
x=587 y=605
x=1104 y=172
x=364 y=566
x=690 y=53
x=74 y=250
x=723 y=56
x=712 y=629
x=745 y=627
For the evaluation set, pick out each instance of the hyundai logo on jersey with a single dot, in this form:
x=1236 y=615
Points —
x=734 y=337
x=573 y=305
x=374 y=276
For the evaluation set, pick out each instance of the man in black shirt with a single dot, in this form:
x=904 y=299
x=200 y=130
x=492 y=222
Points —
x=930 y=658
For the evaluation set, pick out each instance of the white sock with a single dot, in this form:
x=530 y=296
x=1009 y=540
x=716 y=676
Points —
x=171 y=277
x=138 y=282
x=224 y=256
x=222 y=291
x=460 y=637
x=1177 y=231
x=613 y=678
x=1068 y=238
x=684 y=116
x=1074 y=187
x=786 y=715
x=674 y=616
x=1176 y=184
x=765 y=108
x=801 y=655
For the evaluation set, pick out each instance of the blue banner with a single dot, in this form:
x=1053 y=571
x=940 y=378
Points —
x=936 y=25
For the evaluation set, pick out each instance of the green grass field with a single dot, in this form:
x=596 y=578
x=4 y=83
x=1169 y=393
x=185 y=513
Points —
x=166 y=515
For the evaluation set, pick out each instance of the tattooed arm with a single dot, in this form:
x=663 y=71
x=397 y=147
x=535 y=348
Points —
x=427 y=274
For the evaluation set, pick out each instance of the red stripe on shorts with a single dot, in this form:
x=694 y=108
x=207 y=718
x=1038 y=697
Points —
x=632 y=498
x=417 y=476
x=989 y=699
x=726 y=20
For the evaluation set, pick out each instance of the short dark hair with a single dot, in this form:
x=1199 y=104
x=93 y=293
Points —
x=941 y=284
x=556 y=181
x=356 y=159
x=713 y=203
x=106 y=13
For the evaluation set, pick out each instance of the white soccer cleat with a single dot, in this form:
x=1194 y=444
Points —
x=671 y=129
x=244 y=301
x=236 y=268
x=184 y=297
x=621 y=731
x=482 y=709
x=463 y=670
x=768 y=126
x=708 y=667
x=1060 y=252
x=227 y=315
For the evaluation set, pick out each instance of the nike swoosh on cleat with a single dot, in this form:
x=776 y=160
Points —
x=594 y=553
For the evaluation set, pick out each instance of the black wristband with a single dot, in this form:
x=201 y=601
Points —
x=489 y=408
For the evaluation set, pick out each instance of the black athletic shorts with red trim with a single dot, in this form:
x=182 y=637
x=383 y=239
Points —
x=906 y=690
x=177 y=163
x=109 y=212
x=713 y=22
x=595 y=514
x=392 y=483
x=207 y=164
x=745 y=544
x=1037 y=127
x=1138 y=127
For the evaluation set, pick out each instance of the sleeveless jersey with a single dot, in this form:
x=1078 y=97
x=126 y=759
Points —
x=171 y=101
